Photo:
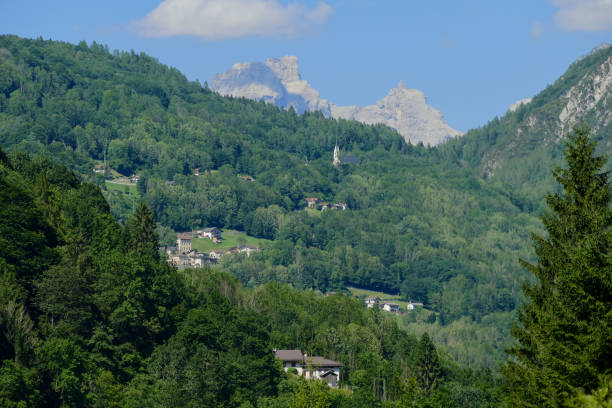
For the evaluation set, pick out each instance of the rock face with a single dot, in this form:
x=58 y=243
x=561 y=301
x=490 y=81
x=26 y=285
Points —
x=278 y=81
x=519 y=148
x=591 y=94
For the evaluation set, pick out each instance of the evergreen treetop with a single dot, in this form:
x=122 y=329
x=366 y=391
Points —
x=564 y=331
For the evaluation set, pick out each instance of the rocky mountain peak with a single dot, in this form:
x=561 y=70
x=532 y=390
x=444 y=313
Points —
x=278 y=81
x=285 y=68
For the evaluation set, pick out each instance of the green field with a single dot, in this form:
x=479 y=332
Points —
x=313 y=211
x=231 y=238
x=121 y=187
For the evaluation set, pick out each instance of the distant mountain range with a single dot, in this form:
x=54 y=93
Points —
x=278 y=81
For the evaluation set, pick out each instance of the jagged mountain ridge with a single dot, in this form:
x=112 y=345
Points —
x=278 y=81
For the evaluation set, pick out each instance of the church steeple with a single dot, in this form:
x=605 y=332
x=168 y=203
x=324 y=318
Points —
x=336 y=161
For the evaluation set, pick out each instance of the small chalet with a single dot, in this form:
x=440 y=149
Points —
x=99 y=168
x=311 y=367
x=212 y=233
x=339 y=206
x=325 y=206
x=391 y=307
x=135 y=178
x=371 y=302
x=413 y=305
x=246 y=177
x=196 y=171
x=312 y=202
x=183 y=243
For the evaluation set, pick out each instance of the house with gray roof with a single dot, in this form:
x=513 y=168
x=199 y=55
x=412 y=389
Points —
x=311 y=367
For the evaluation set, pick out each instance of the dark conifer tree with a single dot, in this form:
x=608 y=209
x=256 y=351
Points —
x=429 y=370
x=141 y=231
x=564 y=333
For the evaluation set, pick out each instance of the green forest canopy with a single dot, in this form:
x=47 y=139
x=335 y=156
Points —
x=417 y=223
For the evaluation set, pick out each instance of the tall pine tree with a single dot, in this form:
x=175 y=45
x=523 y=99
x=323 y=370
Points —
x=141 y=231
x=564 y=338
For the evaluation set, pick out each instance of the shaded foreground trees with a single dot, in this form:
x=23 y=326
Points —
x=564 y=333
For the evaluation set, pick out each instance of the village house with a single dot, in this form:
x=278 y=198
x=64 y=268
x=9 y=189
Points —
x=248 y=249
x=99 y=168
x=183 y=243
x=180 y=260
x=325 y=206
x=413 y=305
x=372 y=302
x=246 y=177
x=312 y=202
x=193 y=259
x=339 y=206
x=212 y=233
x=197 y=259
x=215 y=255
x=196 y=171
x=314 y=367
x=390 y=307
x=243 y=249
x=135 y=178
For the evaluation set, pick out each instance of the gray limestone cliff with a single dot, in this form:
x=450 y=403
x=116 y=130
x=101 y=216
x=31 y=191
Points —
x=278 y=81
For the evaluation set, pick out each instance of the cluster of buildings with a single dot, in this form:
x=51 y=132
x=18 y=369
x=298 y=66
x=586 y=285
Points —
x=310 y=367
x=102 y=169
x=314 y=202
x=184 y=256
x=371 y=302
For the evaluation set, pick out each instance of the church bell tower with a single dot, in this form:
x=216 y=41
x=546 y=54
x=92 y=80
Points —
x=336 y=161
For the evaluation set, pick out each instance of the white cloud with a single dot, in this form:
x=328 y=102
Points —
x=223 y=19
x=584 y=15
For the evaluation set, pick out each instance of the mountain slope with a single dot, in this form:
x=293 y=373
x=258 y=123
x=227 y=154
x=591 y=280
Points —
x=279 y=82
x=520 y=148
x=416 y=223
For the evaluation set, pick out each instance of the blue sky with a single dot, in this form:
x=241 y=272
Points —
x=472 y=58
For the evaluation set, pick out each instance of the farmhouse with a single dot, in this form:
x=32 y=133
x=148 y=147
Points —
x=243 y=249
x=311 y=367
x=99 y=168
x=391 y=307
x=212 y=233
x=372 y=302
x=312 y=202
x=413 y=305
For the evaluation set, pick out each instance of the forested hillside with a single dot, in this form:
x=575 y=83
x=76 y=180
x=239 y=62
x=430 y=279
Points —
x=518 y=150
x=91 y=316
x=417 y=223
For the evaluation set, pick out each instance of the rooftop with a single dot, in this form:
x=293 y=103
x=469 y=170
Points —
x=296 y=355
x=289 y=355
